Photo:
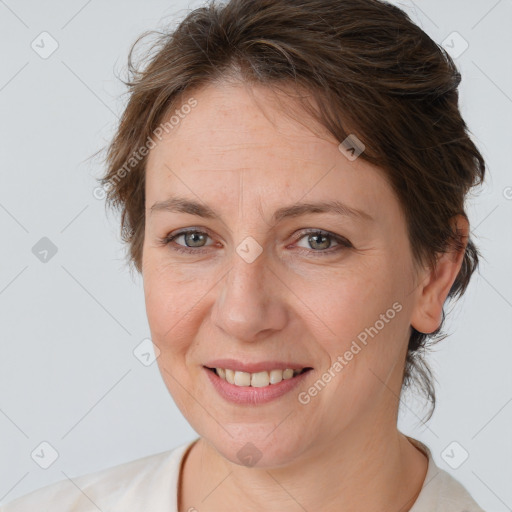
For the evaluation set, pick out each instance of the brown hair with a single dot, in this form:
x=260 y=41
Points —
x=372 y=73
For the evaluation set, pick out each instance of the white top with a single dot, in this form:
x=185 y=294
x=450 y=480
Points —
x=150 y=484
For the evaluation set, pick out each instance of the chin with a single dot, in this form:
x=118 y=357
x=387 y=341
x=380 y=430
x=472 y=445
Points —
x=252 y=446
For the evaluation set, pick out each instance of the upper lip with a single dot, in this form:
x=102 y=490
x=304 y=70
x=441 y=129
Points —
x=233 y=364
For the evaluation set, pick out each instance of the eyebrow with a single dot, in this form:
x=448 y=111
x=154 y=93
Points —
x=192 y=207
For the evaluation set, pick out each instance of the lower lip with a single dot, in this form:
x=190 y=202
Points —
x=253 y=395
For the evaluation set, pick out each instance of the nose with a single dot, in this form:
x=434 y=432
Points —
x=250 y=305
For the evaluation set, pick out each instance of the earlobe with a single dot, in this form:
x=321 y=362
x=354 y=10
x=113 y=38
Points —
x=437 y=282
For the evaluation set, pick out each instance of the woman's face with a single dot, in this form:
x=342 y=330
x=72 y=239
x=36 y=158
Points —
x=259 y=287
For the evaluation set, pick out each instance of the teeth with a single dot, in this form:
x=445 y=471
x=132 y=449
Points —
x=276 y=376
x=256 y=380
x=260 y=379
x=242 y=379
x=230 y=375
x=288 y=374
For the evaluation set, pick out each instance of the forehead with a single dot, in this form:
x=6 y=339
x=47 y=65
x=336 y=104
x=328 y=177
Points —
x=241 y=121
x=234 y=131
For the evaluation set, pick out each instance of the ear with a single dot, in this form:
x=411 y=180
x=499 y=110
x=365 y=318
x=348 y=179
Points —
x=437 y=282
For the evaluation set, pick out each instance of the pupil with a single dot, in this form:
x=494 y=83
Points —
x=312 y=240
x=194 y=237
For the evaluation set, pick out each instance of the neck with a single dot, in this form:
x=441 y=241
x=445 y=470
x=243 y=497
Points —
x=372 y=470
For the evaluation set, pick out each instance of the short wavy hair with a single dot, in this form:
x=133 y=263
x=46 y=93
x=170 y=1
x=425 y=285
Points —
x=371 y=71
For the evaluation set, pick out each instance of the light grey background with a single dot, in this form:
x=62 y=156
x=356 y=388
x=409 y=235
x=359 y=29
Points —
x=69 y=326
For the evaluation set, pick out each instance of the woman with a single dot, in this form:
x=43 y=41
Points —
x=292 y=178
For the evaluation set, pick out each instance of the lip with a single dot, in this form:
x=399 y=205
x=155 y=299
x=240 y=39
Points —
x=239 y=366
x=249 y=395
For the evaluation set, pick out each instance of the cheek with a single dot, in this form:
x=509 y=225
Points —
x=169 y=307
x=363 y=313
x=170 y=295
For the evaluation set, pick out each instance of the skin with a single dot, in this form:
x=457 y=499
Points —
x=239 y=153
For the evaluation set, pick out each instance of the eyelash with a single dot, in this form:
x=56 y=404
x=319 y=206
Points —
x=343 y=243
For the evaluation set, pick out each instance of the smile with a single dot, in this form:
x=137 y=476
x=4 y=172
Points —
x=257 y=379
x=245 y=388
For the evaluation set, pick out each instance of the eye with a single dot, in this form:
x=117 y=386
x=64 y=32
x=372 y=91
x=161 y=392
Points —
x=321 y=242
x=193 y=240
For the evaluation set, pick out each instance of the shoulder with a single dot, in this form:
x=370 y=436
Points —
x=454 y=496
x=441 y=492
x=148 y=483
